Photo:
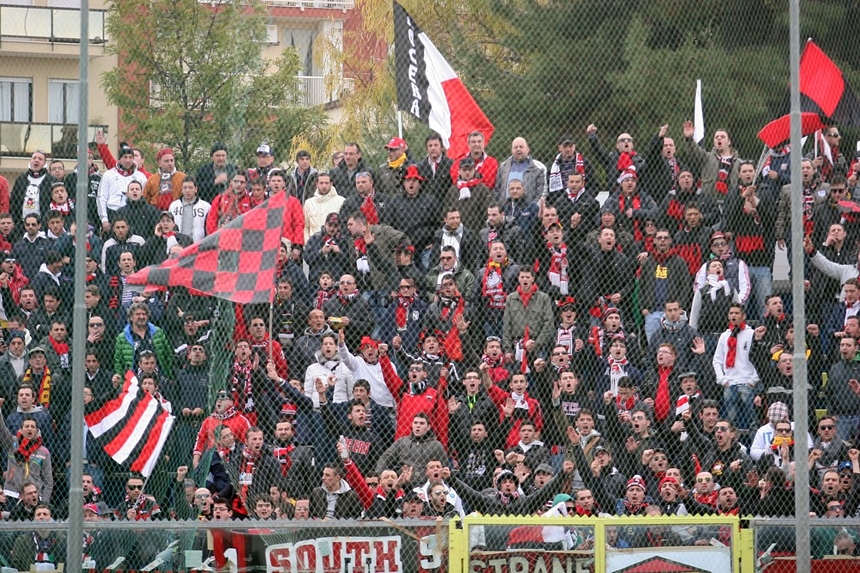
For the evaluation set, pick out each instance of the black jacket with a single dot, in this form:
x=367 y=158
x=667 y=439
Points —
x=348 y=506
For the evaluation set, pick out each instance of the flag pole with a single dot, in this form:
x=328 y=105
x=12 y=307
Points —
x=399 y=124
x=271 y=320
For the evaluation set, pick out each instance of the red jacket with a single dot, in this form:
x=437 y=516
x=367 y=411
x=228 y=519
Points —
x=431 y=402
x=222 y=206
x=237 y=423
x=294 y=222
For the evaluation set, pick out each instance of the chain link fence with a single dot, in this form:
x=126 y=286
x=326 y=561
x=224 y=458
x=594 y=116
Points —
x=588 y=299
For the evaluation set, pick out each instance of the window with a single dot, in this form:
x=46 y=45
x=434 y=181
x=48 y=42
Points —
x=63 y=101
x=16 y=99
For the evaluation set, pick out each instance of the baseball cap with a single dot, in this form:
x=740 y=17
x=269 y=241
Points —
x=395 y=142
x=265 y=149
x=566 y=138
x=544 y=468
x=846 y=465
x=467 y=162
x=165 y=214
x=412 y=497
x=37 y=349
x=333 y=219
x=92 y=507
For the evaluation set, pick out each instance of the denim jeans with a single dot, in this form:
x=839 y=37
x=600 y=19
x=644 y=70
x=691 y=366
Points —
x=738 y=405
x=653 y=323
x=846 y=426
x=762 y=286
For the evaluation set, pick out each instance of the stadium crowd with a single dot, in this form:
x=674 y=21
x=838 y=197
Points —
x=447 y=335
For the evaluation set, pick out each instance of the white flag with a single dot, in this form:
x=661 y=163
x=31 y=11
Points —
x=698 y=115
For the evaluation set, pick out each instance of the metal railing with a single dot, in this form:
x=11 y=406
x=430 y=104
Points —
x=58 y=140
x=305 y=4
x=50 y=24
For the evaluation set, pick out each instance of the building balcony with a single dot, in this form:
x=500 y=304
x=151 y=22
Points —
x=59 y=141
x=49 y=25
x=342 y=5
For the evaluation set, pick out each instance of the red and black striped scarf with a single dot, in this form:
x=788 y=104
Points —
x=722 y=183
x=26 y=448
x=635 y=204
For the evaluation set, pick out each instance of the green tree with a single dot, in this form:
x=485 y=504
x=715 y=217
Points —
x=192 y=73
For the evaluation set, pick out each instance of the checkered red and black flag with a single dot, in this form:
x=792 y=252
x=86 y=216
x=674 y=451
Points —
x=236 y=263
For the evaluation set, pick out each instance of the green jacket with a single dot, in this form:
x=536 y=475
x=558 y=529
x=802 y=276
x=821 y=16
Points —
x=123 y=356
x=538 y=316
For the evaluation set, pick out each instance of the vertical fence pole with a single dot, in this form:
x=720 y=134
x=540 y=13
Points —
x=76 y=493
x=801 y=398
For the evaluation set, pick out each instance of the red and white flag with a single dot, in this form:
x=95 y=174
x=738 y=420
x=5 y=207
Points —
x=429 y=89
x=132 y=428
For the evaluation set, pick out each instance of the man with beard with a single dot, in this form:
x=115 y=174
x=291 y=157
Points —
x=296 y=460
x=404 y=318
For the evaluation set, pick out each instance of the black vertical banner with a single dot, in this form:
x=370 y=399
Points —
x=411 y=69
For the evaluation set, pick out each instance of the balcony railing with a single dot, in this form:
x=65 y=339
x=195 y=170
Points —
x=312 y=89
x=58 y=140
x=343 y=5
x=50 y=24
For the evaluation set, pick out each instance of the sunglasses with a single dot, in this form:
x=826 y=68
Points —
x=704 y=480
x=783 y=431
x=827 y=427
x=134 y=487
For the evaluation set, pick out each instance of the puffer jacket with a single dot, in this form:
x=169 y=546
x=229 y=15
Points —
x=123 y=357
x=317 y=208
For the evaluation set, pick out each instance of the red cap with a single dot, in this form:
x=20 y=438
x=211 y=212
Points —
x=668 y=479
x=412 y=173
x=162 y=152
x=395 y=142
x=367 y=341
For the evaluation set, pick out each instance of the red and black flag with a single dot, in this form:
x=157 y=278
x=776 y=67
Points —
x=237 y=262
x=824 y=90
x=825 y=97
x=131 y=428
x=429 y=89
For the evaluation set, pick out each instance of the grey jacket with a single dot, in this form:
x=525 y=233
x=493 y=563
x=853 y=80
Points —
x=707 y=164
x=534 y=180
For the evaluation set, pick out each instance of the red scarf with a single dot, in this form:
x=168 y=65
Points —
x=526 y=297
x=123 y=172
x=452 y=344
x=243 y=387
x=26 y=448
x=636 y=203
x=625 y=160
x=558 y=267
x=808 y=208
x=249 y=461
x=368 y=207
x=64 y=209
x=493 y=285
x=628 y=404
x=708 y=498
x=675 y=210
x=322 y=297
x=661 y=400
x=723 y=174
x=401 y=312
x=732 y=352
x=468 y=184
x=61 y=348
x=283 y=456
x=497 y=371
